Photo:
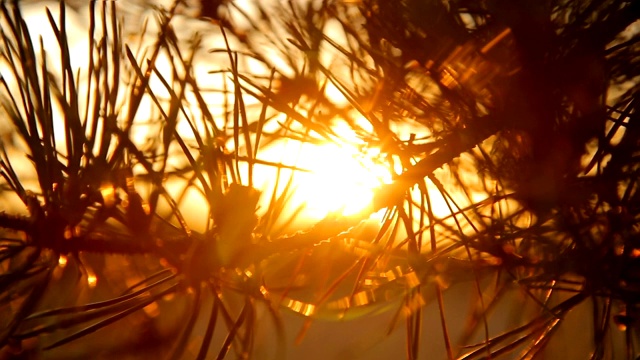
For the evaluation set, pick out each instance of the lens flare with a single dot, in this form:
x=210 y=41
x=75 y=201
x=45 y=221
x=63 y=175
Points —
x=62 y=261
x=92 y=280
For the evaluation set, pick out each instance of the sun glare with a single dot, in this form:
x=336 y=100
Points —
x=336 y=178
x=340 y=180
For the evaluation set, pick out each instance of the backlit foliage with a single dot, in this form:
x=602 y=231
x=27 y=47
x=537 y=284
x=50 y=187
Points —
x=149 y=208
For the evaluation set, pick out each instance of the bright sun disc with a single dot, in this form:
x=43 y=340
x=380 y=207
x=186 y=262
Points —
x=338 y=178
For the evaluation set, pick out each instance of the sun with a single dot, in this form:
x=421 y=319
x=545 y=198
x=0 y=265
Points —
x=333 y=178
x=340 y=179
